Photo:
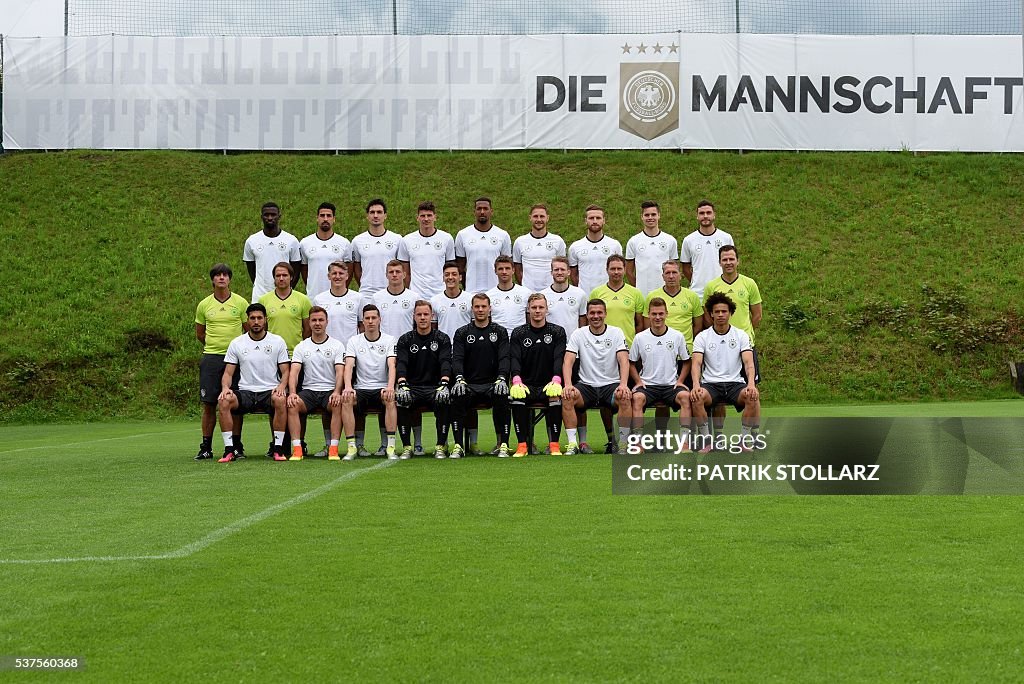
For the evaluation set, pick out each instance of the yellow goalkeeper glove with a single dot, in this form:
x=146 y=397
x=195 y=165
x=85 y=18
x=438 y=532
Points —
x=554 y=388
x=518 y=390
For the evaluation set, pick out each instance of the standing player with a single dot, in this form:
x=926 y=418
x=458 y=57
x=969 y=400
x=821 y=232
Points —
x=684 y=310
x=424 y=369
x=424 y=253
x=647 y=250
x=722 y=358
x=343 y=306
x=370 y=358
x=588 y=256
x=395 y=302
x=220 y=318
x=743 y=292
x=567 y=304
x=625 y=303
x=262 y=361
x=321 y=360
x=604 y=374
x=531 y=253
x=268 y=247
x=477 y=246
x=508 y=300
x=453 y=308
x=538 y=350
x=287 y=308
x=656 y=375
x=373 y=249
x=480 y=361
x=700 y=249
x=320 y=250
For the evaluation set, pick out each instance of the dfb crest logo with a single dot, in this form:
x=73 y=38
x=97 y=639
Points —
x=649 y=98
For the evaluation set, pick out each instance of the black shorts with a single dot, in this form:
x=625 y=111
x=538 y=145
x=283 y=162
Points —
x=252 y=402
x=660 y=394
x=727 y=392
x=598 y=397
x=369 y=400
x=534 y=398
x=483 y=393
x=211 y=371
x=315 y=399
x=421 y=396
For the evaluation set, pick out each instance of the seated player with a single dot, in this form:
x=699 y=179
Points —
x=723 y=370
x=480 y=361
x=657 y=376
x=538 y=350
x=321 y=361
x=370 y=360
x=604 y=374
x=262 y=361
x=424 y=367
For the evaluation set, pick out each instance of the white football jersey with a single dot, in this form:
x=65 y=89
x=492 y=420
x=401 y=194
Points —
x=257 y=361
x=343 y=313
x=395 y=311
x=373 y=254
x=723 y=359
x=701 y=252
x=599 y=365
x=267 y=252
x=371 y=359
x=534 y=254
x=649 y=253
x=508 y=307
x=565 y=308
x=658 y=354
x=591 y=260
x=317 y=255
x=451 y=314
x=318 y=362
x=480 y=248
x=426 y=257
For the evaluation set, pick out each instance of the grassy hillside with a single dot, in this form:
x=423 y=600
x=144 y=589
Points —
x=885 y=276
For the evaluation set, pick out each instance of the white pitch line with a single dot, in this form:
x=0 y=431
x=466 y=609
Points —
x=216 y=535
x=92 y=441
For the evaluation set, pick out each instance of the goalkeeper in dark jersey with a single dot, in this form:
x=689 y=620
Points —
x=480 y=362
x=423 y=366
x=537 y=350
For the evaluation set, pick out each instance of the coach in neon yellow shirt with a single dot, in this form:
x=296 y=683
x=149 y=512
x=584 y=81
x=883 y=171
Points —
x=743 y=291
x=685 y=312
x=287 y=309
x=623 y=302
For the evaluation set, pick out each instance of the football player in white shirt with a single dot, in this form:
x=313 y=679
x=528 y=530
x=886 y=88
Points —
x=321 y=359
x=648 y=250
x=453 y=308
x=425 y=251
x=262 y=361
x=508 y=300
x=723 y=370
x=395 y=302
x=532 y=253
x=267 y=247
x=604 y=374
x=370 y=358
x=477 y=246
x=344 y=306
x=700 y=249
x=373 y=249
x=659 y=378
x=567 y=304
x=588 y=256
x=321 y=249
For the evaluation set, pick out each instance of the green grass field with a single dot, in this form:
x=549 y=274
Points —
x=119 y=549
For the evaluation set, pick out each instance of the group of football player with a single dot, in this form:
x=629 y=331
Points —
x=451 y=325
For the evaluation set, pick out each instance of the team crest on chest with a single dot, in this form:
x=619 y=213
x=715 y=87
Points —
x=493 y=337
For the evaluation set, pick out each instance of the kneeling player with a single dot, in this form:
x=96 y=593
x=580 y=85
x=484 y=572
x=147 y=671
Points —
x=321 y=359
x=604 y=374
x=480 y=361
x=656 y=352
x=370 y=358
x=262 y=361
x=538 y=350
x=423 y=366
x=722 y=358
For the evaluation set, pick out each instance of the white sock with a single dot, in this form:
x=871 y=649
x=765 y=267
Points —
x=335 y=442
x=391 y=441
x=296 y=442
x=570 y=434
x=623 y=433
x=229 y=439
x=278 y=437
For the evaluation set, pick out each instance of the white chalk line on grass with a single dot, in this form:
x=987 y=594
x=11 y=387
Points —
x=65 y=445
x=217 y=535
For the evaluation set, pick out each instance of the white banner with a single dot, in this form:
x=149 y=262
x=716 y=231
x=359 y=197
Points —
x=694 y=91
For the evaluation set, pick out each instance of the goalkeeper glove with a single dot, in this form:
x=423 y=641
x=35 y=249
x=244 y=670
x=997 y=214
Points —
x=403 y=395
x=554 y=388
x=460 y=387
x=518 y=390
x=441 y=394
x=501 y=386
